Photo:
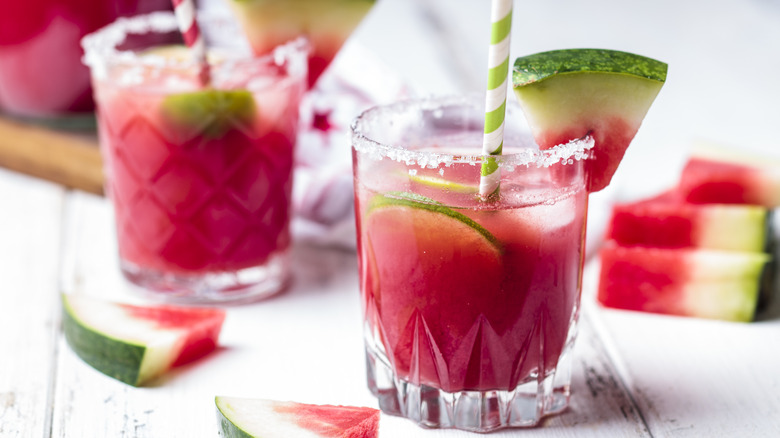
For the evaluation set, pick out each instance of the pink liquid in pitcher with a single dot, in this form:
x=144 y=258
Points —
x=41 y=73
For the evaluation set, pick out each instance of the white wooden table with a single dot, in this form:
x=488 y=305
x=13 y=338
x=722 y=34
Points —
x=635 y=374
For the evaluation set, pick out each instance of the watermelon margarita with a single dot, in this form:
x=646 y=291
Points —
x=465 y=299
x=200 y=178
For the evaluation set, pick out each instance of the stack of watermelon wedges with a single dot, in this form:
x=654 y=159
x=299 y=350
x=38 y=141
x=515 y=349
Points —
x=703 y=248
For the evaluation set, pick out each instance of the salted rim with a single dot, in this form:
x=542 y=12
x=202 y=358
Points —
x=577 y=150
x=100 y=47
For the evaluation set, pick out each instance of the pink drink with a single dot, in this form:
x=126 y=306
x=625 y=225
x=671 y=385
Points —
x=201 y=179
x=464 y=299
x=519 y=326
x=41 y=73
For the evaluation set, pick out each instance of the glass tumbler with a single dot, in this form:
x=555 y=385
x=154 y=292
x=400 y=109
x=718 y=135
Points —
x=470 y=302
x=200 y=175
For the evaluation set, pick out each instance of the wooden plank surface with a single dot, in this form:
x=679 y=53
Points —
x=693 y=377
x=305 y=345
x=29 y=261
x=71 y=159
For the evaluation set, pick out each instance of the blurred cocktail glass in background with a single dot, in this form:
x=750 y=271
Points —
x=200 y=176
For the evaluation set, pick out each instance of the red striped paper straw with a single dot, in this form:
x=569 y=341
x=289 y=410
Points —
x=188 y=25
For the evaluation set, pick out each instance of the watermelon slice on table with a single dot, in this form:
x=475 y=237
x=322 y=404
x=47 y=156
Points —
x=246 y=418
x=687 y=282
x=570 y=94
x=327 y=24
x=134 y=343
x=667 y=221
x=717 y=174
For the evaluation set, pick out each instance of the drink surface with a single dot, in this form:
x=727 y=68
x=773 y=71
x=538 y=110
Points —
x=452 y=309
x=41 y=73
x=211 y=194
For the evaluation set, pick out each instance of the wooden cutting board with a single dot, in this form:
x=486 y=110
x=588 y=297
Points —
x=67 y=158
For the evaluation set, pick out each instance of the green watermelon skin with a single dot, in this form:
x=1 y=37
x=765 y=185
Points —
x=668 y=221
x=712 y=284
x=91 y=347
x=133 y=343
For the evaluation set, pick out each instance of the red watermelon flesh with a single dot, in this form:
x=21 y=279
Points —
x=133 y=343
x=706 y=180
x=685 y=282
x=667 y=221
x=611 y=136
x=334 y=421
x=201 y=327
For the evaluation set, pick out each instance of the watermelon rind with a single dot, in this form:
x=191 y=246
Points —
x=112 y=357
x=109 y=338
x=260 y=418
x=737 y=228
x=245 y=418
x=229 y=417
x=729 y=284
x=703 y=283
x=544 y=65
x=326 y=24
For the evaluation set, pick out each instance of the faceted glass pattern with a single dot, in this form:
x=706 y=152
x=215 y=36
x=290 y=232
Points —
x=200 y=175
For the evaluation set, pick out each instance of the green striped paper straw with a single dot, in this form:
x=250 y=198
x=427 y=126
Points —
x=495 y=101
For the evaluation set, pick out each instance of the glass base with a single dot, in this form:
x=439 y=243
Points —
x=475 y=411
x=233 y=287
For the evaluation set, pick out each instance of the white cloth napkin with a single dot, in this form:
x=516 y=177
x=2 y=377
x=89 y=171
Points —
x=323 y=198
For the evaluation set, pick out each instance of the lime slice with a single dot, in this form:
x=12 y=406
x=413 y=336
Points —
x=212 y=112
x=207 y=112
x=444 y=184
x=134 y=344
x=406 y=200
x=247 y=418
x=569 y=94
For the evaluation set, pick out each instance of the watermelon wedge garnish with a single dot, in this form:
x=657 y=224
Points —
x=134 y=343
x=570 y=94
x=326 y=23
x=246 y=418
